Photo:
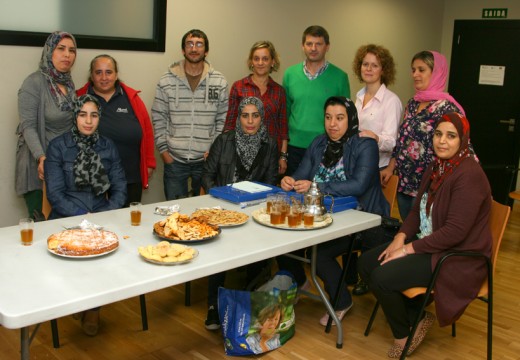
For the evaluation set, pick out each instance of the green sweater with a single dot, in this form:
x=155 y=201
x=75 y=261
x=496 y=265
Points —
x=305 y=100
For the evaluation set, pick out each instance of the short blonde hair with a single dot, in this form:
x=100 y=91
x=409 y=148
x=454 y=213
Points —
x=264 y=44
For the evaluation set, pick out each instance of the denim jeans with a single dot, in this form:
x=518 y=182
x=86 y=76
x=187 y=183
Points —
x=176 y=177
x=405 y=204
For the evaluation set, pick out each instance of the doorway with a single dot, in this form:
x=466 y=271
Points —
x=484 y=52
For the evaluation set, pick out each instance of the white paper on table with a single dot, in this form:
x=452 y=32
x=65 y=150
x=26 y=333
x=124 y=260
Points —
x=250 y=187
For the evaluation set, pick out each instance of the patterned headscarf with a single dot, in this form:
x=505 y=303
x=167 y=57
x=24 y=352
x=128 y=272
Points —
x=334 y=150
x=249 y=145
x=442 y=168
x=88 y=169
x=435 y=90
x=64 y=101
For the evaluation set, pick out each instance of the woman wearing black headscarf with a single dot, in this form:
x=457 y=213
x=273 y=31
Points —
x=83 y=171
x=245 y=153
x=343 y=164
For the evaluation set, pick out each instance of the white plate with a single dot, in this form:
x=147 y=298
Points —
x=195 y=254
x=84 y=256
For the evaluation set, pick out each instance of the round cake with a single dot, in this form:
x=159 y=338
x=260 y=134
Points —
x=82 y=242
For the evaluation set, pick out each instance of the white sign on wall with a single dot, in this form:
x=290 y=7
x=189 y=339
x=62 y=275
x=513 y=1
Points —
x=492 y=75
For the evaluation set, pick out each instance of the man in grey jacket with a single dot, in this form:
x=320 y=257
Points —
x=188 y=113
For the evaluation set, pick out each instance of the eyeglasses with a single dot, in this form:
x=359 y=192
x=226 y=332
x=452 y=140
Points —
x=191 y=44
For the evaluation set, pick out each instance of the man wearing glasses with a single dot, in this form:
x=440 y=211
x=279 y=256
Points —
x=189 y=111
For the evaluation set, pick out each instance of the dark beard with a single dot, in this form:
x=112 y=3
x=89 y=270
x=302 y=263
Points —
x=194 y=62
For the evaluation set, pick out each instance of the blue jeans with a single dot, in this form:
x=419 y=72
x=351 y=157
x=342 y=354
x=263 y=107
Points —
x=176 y=177
x=405 y=204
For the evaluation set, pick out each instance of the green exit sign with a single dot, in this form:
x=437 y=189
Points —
x=494 y=13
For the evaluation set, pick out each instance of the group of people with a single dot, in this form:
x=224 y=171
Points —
x=93 y=150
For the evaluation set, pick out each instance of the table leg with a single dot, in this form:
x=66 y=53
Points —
x=332 y=313
x=24 y=343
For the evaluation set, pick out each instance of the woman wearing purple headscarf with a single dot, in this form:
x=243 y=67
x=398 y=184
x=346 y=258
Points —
x=45 y=104
x=413 y=151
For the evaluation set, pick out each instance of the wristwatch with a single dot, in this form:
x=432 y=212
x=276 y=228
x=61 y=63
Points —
x=284 y=155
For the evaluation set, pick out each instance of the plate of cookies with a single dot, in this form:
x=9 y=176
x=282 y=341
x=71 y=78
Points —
x=221 y=217
x=165 y=253
x=180 y=228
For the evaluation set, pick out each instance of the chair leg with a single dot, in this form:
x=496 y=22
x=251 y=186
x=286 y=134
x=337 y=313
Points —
x=490 y=314
x=372 y=318
x=55 y=335
x=144 y=314
x=187 y=293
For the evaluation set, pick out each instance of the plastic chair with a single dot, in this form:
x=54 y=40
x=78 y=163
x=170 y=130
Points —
x=497 y=224
x=46 y=210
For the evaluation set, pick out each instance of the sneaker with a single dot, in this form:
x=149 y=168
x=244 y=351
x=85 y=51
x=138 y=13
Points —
x=212 y=321
x=360 y=289
x=339 y=313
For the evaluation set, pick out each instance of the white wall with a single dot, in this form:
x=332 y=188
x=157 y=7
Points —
x=403 y=26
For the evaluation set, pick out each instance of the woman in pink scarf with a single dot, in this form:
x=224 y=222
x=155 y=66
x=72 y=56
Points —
x=413 y=151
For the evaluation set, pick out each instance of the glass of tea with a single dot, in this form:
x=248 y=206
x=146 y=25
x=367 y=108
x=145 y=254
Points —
x=135 y=213
x=276 y=214
x=308 y=219
x=271 y=199
x=294 y=217
x=26 y=231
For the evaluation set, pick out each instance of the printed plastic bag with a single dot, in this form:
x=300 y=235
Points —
x=258 y=321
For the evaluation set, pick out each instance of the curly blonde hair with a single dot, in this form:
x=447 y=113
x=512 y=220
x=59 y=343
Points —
x=383 y=56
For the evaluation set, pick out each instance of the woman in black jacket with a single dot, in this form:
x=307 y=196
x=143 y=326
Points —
x=245 y=153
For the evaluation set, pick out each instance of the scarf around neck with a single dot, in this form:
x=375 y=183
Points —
x=247 y=146
x=334 y=149
x=65 y=102
x=443 y=168
x=435 y=90
x=88 y=168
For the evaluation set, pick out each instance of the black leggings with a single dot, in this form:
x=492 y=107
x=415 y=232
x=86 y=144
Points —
x=387 y=282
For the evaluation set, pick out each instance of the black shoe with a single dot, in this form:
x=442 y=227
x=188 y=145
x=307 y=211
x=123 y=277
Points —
x=360 y=289
x=212 y=321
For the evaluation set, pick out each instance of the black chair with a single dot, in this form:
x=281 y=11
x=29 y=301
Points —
x=497 y=223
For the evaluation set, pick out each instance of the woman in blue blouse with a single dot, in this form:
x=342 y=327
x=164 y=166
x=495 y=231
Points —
x=343 y=164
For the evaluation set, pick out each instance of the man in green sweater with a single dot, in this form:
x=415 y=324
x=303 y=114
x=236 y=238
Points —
x=307 y=86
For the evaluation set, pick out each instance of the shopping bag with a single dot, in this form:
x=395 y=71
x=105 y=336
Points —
x=254 y=322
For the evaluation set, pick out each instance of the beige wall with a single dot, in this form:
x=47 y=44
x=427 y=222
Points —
x=403 y=26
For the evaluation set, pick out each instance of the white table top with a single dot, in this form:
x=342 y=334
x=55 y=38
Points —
x=36 y=286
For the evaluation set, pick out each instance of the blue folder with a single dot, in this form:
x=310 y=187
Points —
x=229 y=193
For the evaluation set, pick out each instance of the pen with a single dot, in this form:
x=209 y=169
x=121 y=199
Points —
x=251 y=203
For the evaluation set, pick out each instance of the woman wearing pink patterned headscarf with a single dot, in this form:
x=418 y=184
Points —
x=413 y=151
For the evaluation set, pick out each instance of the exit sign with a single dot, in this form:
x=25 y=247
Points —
x=494 y=13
